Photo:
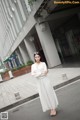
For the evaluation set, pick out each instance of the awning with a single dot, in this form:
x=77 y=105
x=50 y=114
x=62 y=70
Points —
x=10 y=58
x=6 y=60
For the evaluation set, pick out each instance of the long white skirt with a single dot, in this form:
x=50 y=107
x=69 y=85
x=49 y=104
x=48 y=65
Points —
x=47 y=94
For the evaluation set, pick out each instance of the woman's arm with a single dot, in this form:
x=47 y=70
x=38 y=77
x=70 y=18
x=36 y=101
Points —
x=45 y=69
x=33 y=73
x=39 y=73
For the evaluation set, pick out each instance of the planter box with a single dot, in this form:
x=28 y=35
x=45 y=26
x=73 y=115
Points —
x=17 y=73
x=5 y=76
x=22 y=71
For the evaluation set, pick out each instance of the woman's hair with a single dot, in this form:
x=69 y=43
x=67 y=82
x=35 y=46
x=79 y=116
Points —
x=37 y=53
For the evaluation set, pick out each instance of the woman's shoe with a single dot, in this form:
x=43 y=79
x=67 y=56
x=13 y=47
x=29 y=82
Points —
x=53 y=113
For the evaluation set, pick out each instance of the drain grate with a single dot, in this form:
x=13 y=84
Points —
x=64 y=76
x=17 y=95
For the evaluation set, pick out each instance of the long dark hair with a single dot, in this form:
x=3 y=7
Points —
x=37 y=53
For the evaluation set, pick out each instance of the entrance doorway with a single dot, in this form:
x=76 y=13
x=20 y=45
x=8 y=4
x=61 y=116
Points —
x=67 y=38
x=68 y=47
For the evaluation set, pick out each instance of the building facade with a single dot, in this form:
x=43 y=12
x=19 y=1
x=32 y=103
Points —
x=52 y=29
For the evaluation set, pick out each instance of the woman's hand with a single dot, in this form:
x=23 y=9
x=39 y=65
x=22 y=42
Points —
x=44 y=73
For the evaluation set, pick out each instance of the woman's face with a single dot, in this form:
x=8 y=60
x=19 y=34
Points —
x=37 y=58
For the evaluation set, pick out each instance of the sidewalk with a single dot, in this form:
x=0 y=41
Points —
x=68 y=109
x=26 y=85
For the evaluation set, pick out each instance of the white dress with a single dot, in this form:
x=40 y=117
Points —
x=47 y=94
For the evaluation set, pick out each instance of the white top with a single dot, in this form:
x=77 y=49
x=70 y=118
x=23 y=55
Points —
x=37 y=70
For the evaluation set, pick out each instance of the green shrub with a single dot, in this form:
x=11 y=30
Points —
x=4 y=72
x=30 y=62
x=31 y=2
x=14 y=69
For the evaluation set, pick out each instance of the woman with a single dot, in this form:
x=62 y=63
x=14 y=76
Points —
x=47 y=94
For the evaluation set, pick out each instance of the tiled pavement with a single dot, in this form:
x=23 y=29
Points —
x=26 y=85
